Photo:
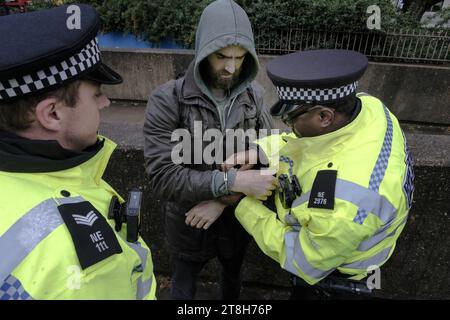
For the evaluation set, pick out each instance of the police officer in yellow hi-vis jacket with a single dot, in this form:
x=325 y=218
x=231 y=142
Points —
x=345 y=177
x=61 y=231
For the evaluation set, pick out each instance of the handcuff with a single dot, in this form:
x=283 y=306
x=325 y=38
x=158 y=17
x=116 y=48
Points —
x=290 y=189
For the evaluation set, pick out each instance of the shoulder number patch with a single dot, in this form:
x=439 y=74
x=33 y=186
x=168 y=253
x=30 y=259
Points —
x=323 y=190
x=93 y=237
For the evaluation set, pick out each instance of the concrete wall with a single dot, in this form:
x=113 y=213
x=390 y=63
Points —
x=413 y=93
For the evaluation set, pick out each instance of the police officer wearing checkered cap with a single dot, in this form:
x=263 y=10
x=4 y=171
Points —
x=56 y=241
x=317 y=81
x=345 y=176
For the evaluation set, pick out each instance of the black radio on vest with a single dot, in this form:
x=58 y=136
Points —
x=128 y=212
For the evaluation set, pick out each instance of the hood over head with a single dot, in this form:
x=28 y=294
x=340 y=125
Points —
x=224 y=23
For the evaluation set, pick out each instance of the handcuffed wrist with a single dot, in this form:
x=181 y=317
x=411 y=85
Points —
x=223 y=182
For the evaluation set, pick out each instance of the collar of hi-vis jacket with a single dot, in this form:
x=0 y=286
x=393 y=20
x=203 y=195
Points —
x=370 y=119
x=91 y=162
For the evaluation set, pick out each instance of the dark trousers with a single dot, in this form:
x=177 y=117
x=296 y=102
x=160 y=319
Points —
x=185 y=274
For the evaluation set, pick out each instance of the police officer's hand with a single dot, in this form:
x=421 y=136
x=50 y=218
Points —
x=204 y=214
x=246 y=159
x=256 y=183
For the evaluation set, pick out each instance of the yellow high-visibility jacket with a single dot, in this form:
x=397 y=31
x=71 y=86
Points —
x=37 y=254
x=373 y=194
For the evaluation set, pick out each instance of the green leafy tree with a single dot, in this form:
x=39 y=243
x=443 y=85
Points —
x=177 y=19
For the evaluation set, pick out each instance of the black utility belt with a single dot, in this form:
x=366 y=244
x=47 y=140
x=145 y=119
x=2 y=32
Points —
x=338 y=283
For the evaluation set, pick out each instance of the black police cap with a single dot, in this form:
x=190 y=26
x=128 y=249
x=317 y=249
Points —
x=314 y=77
x=40 y=53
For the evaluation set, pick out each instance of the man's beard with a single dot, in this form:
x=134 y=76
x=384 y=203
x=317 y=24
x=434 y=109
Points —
x=222 y=83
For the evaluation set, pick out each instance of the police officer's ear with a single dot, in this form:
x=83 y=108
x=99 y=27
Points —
x=326 y=116
x=48 y=114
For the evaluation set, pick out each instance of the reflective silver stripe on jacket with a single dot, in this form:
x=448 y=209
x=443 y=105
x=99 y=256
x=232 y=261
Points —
x=361 y=197
x=24 y=235
x=369 y=201
x=380 y=167
x=376 y=260
x=380 y=236
x=294 y=252
x=143 y=287
x=366 y=199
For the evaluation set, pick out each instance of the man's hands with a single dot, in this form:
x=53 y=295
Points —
x=256 y=183
x=204 y=214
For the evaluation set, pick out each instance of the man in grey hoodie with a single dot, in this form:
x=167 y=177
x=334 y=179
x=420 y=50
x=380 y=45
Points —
x=217 y=92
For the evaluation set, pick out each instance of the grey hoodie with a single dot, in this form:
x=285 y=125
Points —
x=224 y=23
x=178 y=104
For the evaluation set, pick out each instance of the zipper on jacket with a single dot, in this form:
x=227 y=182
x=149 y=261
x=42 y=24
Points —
x=226 y=116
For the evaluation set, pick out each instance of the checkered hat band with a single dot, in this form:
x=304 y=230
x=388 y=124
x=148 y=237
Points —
x=306 y=94
x=58 y=73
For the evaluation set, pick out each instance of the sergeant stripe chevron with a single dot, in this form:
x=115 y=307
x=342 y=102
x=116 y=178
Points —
x=88 y=220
